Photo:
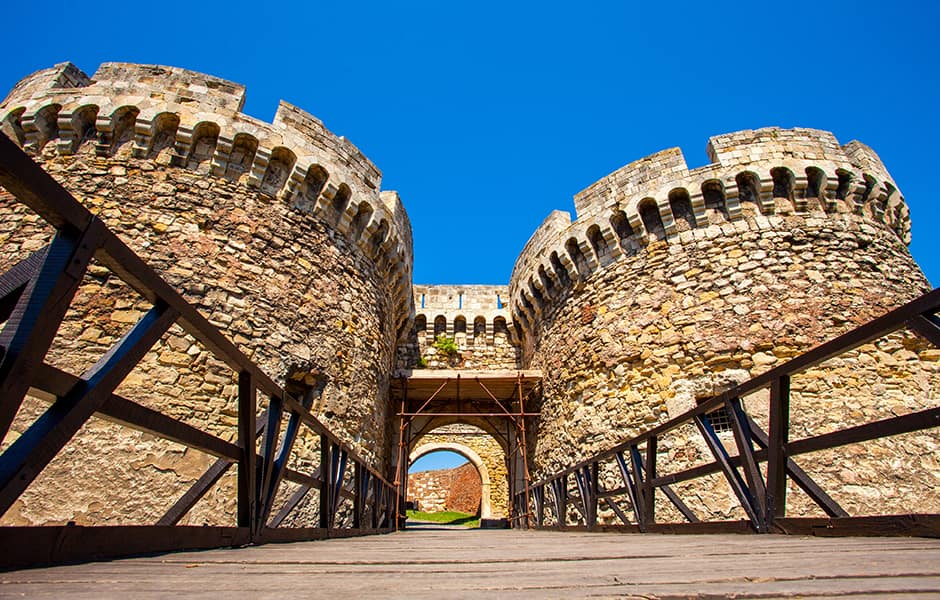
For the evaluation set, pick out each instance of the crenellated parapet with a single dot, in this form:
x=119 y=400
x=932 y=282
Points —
x=187 y=120
x=762 y=179
x=478 y=312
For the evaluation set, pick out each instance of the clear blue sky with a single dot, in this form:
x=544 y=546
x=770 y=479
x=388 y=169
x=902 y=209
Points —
x=486 y=116
x=442 y=459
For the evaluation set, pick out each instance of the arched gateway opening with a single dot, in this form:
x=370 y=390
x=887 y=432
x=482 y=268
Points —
x=481 y=415
x=451 y=499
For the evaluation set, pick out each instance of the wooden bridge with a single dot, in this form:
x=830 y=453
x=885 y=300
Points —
x=587 y=559
x=436 y=564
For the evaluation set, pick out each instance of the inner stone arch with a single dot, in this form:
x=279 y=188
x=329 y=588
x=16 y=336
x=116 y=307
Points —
x=486 y=510
x=474 y=440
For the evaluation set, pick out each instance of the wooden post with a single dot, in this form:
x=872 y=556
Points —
x=401 y=471
x=326 y=479
x=359 y=500
x=247 y=466
x=540 y=506
x=777 y=449
x=592 y=474
x=649 y=492
x=525 y=460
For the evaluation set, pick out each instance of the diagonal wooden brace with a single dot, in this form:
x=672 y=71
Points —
x=731 y=473
x=39 y=310
x=22 y=462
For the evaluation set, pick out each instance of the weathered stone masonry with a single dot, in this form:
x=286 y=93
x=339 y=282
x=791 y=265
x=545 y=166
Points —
x=674 y=284
x=476 y=317
x=278 y=232
x=671 y=285
x=456 y=489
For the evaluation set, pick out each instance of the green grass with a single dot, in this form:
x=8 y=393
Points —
x=448 y=517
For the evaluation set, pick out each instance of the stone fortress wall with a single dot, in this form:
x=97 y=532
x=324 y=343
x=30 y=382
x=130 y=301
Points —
x=278 y=232
x=476 y=317
x=674 y=284
x=671 y=285
x=457 y=489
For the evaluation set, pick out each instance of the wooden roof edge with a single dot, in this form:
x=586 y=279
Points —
x=442 y=374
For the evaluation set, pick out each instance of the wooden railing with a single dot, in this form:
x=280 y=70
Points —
x=34 y=298
x=761 y=495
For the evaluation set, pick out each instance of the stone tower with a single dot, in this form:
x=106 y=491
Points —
x=278 y=232
x=673 y=284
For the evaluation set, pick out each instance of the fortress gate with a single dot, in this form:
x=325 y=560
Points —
x=211 y=337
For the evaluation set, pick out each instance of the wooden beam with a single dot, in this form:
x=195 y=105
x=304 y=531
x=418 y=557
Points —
x=728 y=468
x=14 y=281
x=752 y=474
x=924 y=419
x=52 y=383
x=776 y=444
x=196 y=492
x=39 y=310
x=928 y=327
x=22 y=462
x=326 y=481
x=247 y=463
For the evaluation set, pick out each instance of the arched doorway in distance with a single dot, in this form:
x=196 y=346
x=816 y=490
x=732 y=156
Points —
x=470 y=455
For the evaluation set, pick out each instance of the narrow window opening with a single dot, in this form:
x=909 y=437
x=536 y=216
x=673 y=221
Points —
x=783 y=183
x=479 y=330
x=652 y=220
x=546 y=280
x=580 y=263
x=440 y=325
x=748 y=189
x=560 y=270
x=845 y=183
x=713 y=194
x=681 y=205
x=241 y=157
x=720 y=419
x=624 y=232
x=165 y=126
x=599 y=244
x=421 y=324
x=279 y=169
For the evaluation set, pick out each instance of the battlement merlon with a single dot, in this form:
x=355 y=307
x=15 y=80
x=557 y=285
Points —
x=544 y=237
x=63 y=75
x=171 y=84
x=773 y=143
x=647 y=173
x=313 y=131
x=556 y=222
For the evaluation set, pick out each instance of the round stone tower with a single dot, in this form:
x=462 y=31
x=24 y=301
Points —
x=674 y=284
x=278 y=232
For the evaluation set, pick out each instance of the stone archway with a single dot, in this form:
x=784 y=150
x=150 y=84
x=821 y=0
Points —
x=475 y=460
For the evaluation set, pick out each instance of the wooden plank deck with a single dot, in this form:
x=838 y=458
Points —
x=429 y=563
